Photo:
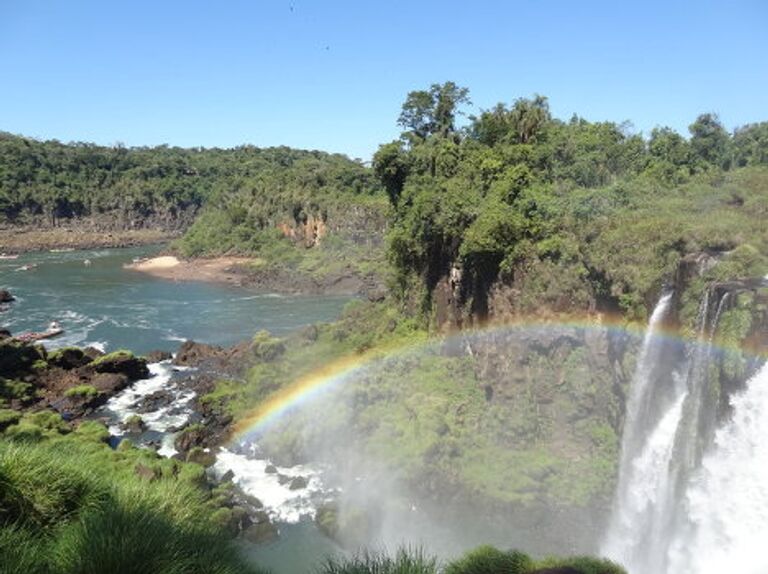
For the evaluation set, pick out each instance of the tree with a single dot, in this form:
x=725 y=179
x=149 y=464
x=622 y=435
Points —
x=429 y=112
x=527 y=117
x=390 y=164
x=709 y=140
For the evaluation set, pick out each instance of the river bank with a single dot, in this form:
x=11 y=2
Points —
x=256 y=274
x=24 y=240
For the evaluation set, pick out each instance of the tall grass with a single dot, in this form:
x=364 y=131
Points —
x=71 y=508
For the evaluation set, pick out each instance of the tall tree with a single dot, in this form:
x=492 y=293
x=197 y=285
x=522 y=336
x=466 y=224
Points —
x=709 y=140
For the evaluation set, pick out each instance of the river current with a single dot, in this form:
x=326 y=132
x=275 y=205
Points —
x=102 y=304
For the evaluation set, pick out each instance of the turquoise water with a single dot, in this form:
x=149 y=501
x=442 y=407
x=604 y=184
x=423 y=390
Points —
x=107 y=305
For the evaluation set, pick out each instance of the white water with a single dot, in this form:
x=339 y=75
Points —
x=726 y=503
x=282 y=503
x=643 y=476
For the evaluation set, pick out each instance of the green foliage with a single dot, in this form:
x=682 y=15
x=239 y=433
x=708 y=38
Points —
x=118 y=355
x=405 y=561
x=489 y=560
x=525 y=198
x=82 y=392
x=71 y=505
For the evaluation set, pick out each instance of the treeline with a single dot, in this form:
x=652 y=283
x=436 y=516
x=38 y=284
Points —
x=520 y=196
x=51 y=181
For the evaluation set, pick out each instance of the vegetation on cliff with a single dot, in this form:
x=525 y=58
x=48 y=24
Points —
x=567 y=215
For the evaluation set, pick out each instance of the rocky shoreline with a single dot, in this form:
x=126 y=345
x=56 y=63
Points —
x=17 y=240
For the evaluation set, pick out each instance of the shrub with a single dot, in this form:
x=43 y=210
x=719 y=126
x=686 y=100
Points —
x=82 y=392
x=489 y=560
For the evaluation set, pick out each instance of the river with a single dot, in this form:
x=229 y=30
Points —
x=105 y=305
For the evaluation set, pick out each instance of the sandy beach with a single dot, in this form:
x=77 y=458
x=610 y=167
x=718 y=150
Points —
x=219 y=269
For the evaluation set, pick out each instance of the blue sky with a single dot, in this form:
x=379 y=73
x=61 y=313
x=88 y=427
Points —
x=332 y=75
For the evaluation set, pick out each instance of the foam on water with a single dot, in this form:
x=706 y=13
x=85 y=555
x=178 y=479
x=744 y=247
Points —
x=279 y=500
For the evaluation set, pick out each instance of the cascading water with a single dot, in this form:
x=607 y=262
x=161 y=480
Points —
x=645 y=456
x=690 y=499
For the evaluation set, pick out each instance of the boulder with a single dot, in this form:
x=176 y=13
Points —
x=201 y=457
x=271 y=469
x=109 y=383
x=93 y=353
x=298 y=483
x=134 y=424
x=122 y=362
x=157 y=356
x=5 y=296
x=68 y=358
x=190 y=437
x=192 y=354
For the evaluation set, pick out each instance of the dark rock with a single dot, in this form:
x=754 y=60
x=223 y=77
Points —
x=155 y=401
x=201 y=457
x=283 y=479
x=190 y=437
x=134 y=424
x=249 y=500
x=123 y=363
x=5 y=296
x=228 y=476
x=271 y=469
x=5 y=334
x=157 y=356
x=93 y=353
x=68 y=358
x=298 y=483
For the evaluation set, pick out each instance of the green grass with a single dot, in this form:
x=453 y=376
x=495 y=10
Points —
x=71 y=505
x=82 y=391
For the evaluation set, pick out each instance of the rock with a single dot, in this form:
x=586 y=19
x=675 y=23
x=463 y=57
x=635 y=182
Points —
x=283 y=479
x=5 y=296
x=157 y=356
x=190 y=437
x=271 y=469
x=228 y=476
x=93 y=353
x=68 y=358
x=4 y=334
x=201 y=457
x=298 y=482
x=134 y=424
x=122 y=362
x=155 y=401
x=192 y=354
x=109 y=383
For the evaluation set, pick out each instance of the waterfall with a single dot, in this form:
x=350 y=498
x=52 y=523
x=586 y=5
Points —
x=726 y=502
x=645 y=457
x=691 y=498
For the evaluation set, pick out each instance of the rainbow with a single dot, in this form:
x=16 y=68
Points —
x=334 y=374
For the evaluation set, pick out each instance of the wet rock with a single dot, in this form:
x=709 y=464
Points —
x=248 y=500
x=298 y=483
x=157 y=356
x=134 y=424
x=271 y=469
x=201 y=457
x=5 y=296
x=190 y=437
x=4 y=334
x=228 y=476
x=283 y=479
x=123 y=363
x=155 y=401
